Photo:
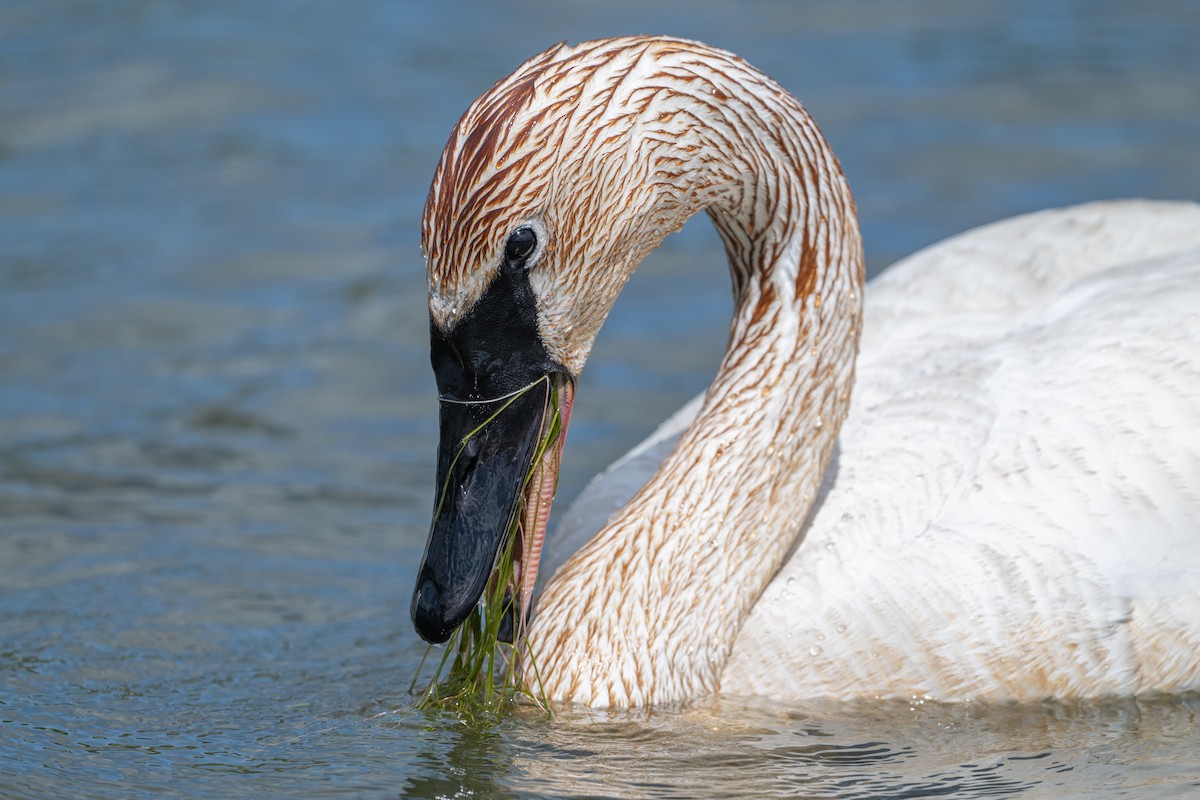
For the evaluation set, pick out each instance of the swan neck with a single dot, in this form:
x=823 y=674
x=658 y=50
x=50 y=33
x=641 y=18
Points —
x=648 y=611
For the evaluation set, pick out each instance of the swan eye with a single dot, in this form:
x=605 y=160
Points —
x=520 y=245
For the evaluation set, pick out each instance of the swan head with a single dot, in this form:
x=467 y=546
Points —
x=589 y=154
x=553 y=186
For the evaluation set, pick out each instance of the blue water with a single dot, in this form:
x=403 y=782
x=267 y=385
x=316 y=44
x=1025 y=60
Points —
x=216 y=410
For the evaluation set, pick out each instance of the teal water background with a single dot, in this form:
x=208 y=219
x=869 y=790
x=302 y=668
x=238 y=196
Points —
x=217 y=418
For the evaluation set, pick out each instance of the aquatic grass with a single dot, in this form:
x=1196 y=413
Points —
x=478 y=672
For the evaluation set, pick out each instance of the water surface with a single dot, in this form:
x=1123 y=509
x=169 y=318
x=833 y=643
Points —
x=217 y=416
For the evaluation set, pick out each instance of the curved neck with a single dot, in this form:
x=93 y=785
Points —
x=647 y=611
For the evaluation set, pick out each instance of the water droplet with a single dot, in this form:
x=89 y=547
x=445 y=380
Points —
x=841 y=628
x=819 y=423
x=815 y=650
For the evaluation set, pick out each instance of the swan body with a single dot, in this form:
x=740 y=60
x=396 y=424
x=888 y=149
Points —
x=1013 y=509
x=1008 y=509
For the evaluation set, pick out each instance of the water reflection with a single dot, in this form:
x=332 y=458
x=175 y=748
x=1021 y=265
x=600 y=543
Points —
x=749 y=749
x=457 y=760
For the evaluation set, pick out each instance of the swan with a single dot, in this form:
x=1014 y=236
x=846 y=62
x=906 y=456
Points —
x=1008 y=510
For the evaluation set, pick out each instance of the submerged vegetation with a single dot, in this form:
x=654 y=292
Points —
x=479 y=671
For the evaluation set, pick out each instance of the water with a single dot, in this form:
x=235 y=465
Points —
x=216 y=412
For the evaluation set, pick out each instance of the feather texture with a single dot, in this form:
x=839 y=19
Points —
x=1013 y=511
x=1010 y=509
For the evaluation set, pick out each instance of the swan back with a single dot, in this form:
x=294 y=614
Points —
x=1013 y=511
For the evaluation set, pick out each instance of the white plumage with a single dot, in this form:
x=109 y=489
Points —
x=1012 y=511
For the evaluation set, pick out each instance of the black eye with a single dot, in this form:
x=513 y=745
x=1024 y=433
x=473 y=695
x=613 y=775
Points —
x=520 y=245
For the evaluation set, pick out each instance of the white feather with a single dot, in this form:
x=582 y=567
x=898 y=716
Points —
x=1014 y=507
